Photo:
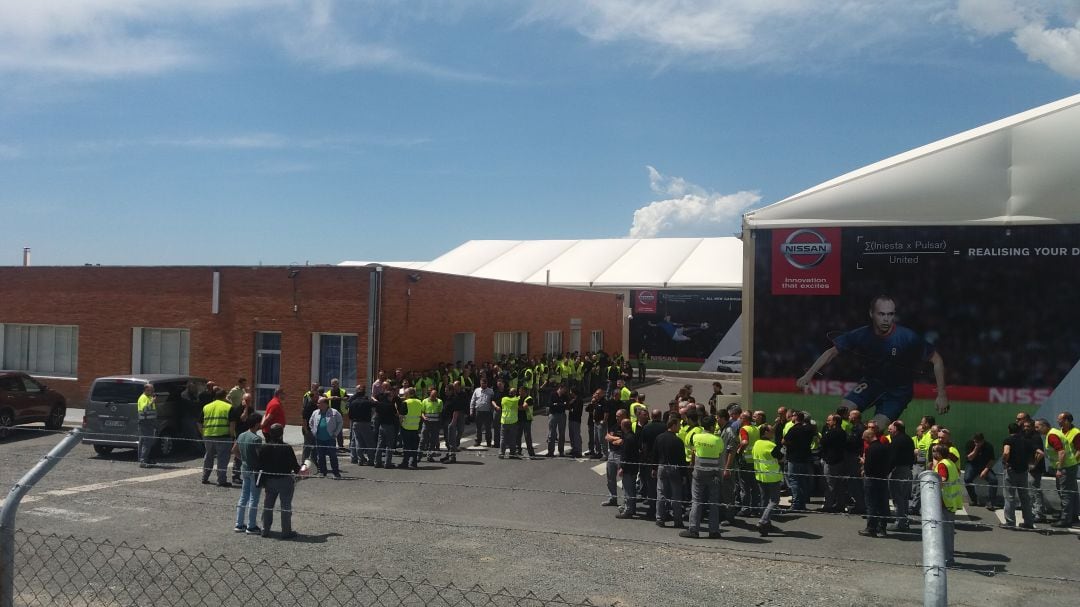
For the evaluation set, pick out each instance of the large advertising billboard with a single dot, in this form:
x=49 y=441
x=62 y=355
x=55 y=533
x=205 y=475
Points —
x=904 y=321
x=687 y=329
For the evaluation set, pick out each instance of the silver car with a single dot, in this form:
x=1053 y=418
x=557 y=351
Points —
x=112 y=418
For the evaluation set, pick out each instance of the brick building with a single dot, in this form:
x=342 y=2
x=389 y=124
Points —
x=283 y=326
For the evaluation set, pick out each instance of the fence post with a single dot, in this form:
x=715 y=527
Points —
x=11 y=504
x=934 y=528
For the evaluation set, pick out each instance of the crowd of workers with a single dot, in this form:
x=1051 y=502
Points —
x=691 y=465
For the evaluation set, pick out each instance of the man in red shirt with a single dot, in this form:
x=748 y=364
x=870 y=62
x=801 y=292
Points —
x=275 y=413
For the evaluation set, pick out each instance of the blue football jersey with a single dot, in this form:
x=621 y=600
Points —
x=891 y=360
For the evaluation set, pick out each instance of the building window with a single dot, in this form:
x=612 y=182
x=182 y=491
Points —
x=334 y=357
x=511 y=343
x=464 y=347
x=267 y=367
x=553 y=342
x=160 y=350
x=51 y=350
x=596 y=340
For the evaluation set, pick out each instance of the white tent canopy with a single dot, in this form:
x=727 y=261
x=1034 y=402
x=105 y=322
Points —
x=615 y=263
x=1024 y=169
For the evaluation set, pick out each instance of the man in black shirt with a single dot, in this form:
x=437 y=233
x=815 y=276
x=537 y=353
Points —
x=386 y=421
x=648 y=435
x=800 y=468
x=834 y=446
x=361 y=433
x=456 y=409
x=1018 y=454
x=628 y=468
x=669 y=453
x=574 y=409
x=557 y=421
x=903 y=453
x=980 y=464
x=877 y=466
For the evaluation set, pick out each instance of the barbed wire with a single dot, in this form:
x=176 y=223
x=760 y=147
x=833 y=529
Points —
x=465 y=452
x=432 y=521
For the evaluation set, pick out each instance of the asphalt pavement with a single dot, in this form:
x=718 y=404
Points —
x=529 y=525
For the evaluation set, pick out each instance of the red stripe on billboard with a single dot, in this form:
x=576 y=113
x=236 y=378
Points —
x=980 y=394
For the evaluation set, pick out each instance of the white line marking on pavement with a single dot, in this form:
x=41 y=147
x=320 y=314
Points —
x=109 y=485
x=600 y=469
x=67 y=515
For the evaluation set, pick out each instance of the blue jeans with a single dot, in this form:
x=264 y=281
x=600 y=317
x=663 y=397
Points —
x=249 y=500
x=324 y=448
x=800 y=480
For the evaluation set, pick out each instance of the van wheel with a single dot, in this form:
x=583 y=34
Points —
x=103 y=449
x=166 y=444
x=7 y=423
x=56 y=417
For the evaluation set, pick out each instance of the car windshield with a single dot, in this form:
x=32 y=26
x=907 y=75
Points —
x=116 y=391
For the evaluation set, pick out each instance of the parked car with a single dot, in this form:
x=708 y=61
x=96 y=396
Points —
x=112 y=417
x=25 y=400
x=730 y=364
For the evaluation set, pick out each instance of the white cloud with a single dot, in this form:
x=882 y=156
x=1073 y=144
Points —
x=690 y=210
x=253 y=141
x=1047 y=32
x=746 y=32
x=93 y=39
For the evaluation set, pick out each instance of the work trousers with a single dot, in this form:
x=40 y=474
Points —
x=705 y=492
x=855 y=484
x=594 y=448
x=362 y=442
x=556 y=431
x=483 y=428
x=629 y=487
x=836 y=487
x=900 y=489
x=800 y=480
x=1066 y=487
x=217 y=454
x=324 y=449
x=614 y=462
x=454 y=431
x=603 y=447
x=283 y=487
x=1016 y=489
x=647 y=488
x=1038 y=501
x=749 y=488
x=669 y=494
x=770 y=496
x=309 y=443
x=971 y=474
x=525 y=435
x=877 y=503
x=384 y=448
x=147 y=439
x=429 y=442
x=410 y=442
x=575 y=437
x=510 y=440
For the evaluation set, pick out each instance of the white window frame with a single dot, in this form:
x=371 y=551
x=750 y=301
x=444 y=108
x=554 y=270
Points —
x=316 y=357
x=511 y=343
x=259 y=353
x=596 y=340
x=553 y=342
x=63 y=350
x=183 y=350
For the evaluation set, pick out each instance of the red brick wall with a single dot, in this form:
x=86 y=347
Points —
x=108 y=302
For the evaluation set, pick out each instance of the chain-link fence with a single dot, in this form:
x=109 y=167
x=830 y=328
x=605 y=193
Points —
x=53 y=571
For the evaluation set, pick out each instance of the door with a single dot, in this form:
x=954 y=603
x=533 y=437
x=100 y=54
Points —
x=36 y=402
x=464 y=347
x=267 y=367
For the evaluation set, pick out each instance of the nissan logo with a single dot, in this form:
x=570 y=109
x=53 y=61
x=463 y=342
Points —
x=805 y=248
x=646 y=297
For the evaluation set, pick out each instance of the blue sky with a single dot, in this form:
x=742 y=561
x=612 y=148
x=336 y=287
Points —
x=283 y=131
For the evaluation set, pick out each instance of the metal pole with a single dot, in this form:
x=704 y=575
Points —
x=934 y=528
x=11 y=504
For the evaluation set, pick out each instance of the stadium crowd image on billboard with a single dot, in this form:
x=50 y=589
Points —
x=968 y=323
x=687 y=329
